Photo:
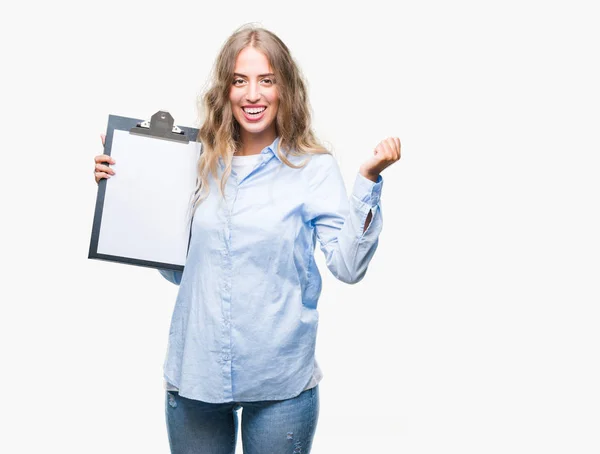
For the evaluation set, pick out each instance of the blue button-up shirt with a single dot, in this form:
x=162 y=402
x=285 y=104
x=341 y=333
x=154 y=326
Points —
x=245 y=320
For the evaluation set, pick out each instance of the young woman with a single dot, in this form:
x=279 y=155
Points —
x=244 y=325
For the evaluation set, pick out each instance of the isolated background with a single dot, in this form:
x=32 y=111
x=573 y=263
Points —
x=476 y=327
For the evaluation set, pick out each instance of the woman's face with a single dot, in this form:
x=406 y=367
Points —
x=253 y=95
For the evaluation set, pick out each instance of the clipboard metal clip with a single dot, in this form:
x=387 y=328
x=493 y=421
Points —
x=160 y=126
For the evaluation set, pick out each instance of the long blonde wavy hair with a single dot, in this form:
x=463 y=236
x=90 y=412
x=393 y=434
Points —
x=220 y=131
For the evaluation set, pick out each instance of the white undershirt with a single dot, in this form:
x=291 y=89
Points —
x=243 y=165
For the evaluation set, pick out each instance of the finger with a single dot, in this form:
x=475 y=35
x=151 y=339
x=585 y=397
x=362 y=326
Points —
x=104 y=158
x=103 y=168
x=398 y=147
x=394 y=147
x=388 y=152
x=103 y=138
x=100 y=175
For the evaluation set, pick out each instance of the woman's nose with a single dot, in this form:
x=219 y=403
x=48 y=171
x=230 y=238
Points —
x=252 y=95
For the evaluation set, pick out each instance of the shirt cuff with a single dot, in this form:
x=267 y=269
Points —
x=367 y=191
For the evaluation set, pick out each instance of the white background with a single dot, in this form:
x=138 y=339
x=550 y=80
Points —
x=476 y=327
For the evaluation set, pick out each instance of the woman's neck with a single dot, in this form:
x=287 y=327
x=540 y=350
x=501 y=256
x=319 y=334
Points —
x=255 y=143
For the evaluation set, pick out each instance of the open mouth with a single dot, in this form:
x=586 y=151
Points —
x=253 y=111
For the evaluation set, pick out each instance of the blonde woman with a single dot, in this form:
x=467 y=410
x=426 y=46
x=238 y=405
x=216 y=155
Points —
x=245 y=320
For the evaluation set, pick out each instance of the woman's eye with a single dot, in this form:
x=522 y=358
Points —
x=238 y=81
x=267 y=81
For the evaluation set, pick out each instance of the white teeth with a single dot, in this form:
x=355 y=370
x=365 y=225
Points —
x=254 y=110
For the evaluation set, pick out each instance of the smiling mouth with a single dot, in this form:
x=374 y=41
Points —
x=253 y=111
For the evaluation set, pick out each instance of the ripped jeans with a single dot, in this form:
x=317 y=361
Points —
x=268 y=427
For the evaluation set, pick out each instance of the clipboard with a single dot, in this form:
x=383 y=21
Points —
x=143 y=212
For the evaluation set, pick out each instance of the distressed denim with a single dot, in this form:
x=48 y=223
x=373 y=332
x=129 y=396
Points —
x=268 y=427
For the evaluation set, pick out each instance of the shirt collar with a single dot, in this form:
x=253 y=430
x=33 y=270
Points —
x=272 y=148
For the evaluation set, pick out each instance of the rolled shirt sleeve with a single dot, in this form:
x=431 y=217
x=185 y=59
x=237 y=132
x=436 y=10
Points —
x=339 y=221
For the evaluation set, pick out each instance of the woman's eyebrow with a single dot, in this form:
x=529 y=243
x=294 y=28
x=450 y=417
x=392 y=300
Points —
x=260 y=75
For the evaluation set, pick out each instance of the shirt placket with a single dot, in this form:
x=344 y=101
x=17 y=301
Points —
x=231 y=192
x=226 y=354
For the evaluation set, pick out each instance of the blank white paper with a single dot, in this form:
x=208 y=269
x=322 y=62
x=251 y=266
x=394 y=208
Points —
x=145 y=212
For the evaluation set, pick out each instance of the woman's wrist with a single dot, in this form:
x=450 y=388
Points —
x=369 y=175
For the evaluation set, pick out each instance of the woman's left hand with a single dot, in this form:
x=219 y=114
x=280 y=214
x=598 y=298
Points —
x=384 y=155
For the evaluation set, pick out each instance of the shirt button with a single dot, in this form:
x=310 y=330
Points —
x=225 y=357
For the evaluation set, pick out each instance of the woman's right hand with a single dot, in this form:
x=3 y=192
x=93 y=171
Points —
x=101 y=170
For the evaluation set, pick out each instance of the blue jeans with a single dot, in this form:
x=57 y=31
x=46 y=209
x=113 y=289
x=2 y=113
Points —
x=268 y=427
